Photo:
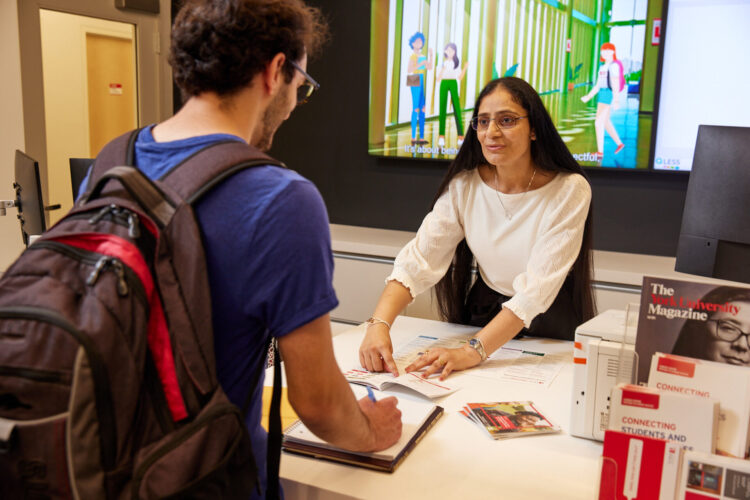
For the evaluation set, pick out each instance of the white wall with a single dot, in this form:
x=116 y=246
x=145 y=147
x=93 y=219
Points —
x=11 y=127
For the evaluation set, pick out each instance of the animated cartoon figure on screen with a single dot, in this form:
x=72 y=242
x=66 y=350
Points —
x=417 y=71
x=608 y=89
x=449 y=75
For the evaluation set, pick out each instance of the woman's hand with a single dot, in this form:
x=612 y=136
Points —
x=447 y=360
x=376 y=350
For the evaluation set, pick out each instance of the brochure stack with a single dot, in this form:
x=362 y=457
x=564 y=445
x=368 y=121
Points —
x=700 y=379
x=642 y=411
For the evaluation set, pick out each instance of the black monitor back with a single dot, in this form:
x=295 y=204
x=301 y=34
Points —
x=29 y=196
x=79 y=167
x=715 y=233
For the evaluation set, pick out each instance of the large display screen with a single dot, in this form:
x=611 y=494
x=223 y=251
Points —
x=594 y=62
x=705 y=78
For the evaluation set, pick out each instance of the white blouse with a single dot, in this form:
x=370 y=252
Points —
x=449 y=72
x=526 y=258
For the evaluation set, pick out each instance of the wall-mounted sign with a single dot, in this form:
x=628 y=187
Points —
x=656 y=32
x=115 y=88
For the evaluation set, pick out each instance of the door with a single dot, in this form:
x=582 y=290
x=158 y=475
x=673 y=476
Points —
x=110 y=70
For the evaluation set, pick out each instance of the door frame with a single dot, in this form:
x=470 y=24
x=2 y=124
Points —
x=154 y=76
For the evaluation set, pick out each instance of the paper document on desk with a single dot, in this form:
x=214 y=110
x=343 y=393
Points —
x=514 y=364
x=431 y=387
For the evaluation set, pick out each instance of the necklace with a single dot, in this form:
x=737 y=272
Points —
x=508 y=213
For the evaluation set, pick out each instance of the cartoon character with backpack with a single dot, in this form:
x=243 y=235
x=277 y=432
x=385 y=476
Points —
x=608 y=89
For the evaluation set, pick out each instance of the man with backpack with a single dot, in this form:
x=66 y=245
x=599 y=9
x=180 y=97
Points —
x=108 y=379
x=241 y=66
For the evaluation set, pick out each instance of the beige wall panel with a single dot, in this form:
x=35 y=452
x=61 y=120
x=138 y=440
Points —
x=11 y=128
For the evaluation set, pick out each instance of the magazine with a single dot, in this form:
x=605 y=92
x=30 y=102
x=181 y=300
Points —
x=697 y=320
x=431 y=387
x=509 y=419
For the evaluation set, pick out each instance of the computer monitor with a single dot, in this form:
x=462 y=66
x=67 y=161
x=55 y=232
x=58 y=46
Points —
x=29 y=197
x=79 y=168
x=715 y=234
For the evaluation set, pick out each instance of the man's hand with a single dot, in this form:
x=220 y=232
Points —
x=385 y=421
x=376 y=350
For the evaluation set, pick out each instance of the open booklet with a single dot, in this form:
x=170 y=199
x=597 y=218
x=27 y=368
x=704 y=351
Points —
x=509 y=419
x=431 y=387
x=417 y=418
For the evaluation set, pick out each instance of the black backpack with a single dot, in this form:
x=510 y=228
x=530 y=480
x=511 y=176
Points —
x=108 y=383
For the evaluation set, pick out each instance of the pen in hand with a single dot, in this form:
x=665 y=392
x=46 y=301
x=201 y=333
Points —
x=371 y=395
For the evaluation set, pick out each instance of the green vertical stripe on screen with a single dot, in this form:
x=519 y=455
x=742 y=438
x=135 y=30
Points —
x=488 y=49
x=568 y=36
x=536 y=53
x=378 y=73
x=503 y=62
x=465 y=50
x=426 y=24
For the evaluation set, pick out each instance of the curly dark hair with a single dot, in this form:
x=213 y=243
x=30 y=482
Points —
x=220 y=45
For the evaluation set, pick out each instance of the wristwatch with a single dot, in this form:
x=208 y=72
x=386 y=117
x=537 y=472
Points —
x=477 y=345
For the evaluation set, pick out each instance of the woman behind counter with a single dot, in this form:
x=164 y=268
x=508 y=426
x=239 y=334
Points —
x=515 y=200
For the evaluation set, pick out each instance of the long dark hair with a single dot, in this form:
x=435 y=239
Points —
x=548 y=152
x=694 y=335
x=455 y=54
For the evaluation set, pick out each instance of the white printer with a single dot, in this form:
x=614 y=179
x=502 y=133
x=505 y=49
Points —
x=604 y=355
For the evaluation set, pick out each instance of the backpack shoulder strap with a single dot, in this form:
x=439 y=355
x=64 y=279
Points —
x=117 y=152
x=202 y=171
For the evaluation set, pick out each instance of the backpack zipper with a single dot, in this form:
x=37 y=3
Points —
x=117 y=266
x=52 y=377
x=124 y=217
x=127 y=280
x=119 y=215
x=103 y=396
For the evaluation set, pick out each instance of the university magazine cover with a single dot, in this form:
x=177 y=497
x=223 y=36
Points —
x=697 y=320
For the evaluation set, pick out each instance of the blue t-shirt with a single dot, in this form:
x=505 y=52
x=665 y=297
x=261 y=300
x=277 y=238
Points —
x=269 y=261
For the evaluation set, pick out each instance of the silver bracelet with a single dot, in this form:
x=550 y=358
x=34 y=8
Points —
x=372 y=320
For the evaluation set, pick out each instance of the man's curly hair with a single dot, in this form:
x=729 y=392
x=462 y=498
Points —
x=220 y=45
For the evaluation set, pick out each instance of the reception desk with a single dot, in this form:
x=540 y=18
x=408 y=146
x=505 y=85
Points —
x=456 y=459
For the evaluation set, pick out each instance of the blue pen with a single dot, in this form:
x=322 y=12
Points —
x=371 y=394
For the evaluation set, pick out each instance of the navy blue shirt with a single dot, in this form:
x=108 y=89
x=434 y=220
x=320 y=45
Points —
x=269 y=260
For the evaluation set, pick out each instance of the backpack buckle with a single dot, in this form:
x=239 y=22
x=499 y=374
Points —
x=7 y=428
